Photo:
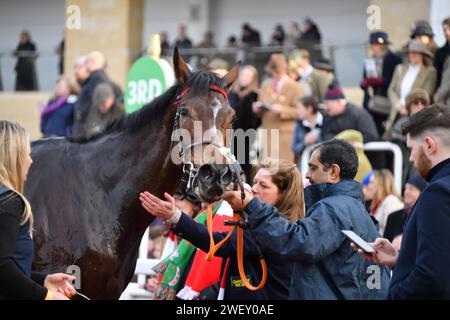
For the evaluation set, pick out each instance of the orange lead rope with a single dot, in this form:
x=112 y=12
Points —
x=240 y=248
x=240 y=258
x=212 y=246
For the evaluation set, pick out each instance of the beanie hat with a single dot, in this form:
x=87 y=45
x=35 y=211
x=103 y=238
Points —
x=418 y=182
x=334 y=92
x=367 y=178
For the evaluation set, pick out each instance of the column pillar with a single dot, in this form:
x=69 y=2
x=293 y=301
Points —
x=113 y=27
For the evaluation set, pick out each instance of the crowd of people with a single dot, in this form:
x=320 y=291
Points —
x=295 y=224
x=308 y=107
x=84 y=108
x=309 y=36
x=321 y=263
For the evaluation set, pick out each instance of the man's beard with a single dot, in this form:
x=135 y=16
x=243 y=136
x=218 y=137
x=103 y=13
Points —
x=423 y=164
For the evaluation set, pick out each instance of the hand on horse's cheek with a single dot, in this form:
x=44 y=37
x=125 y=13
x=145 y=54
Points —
x=248 y=198
x=235 y=201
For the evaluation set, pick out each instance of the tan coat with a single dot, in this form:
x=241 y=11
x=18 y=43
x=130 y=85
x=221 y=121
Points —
x=426 y=79
x=288 y=98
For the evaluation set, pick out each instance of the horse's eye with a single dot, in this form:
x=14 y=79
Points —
x=184 y=111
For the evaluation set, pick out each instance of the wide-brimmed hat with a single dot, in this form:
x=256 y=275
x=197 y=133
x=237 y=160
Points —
x=416 y=94
x=323 y=64
x=416 y=45
x=276 y=64
x=379 y=37
x=422 y=28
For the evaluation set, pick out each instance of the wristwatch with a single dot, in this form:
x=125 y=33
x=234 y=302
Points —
x=173 y=220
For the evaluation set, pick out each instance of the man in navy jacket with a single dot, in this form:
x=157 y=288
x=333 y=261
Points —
x=324 y=265
x=422 y=266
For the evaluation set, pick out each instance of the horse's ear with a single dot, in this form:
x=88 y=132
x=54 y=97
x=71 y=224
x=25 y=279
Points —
x=231 y=76
x=182 y=71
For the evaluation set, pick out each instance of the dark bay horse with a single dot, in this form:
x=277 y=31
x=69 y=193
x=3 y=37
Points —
x=85 y=195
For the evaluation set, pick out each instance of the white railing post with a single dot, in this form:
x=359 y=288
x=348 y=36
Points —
x=398 y=158
x=370 y=146
x=143 y=252
x=144 y=267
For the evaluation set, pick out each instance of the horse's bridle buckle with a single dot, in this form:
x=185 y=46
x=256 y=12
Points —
x=191 y=173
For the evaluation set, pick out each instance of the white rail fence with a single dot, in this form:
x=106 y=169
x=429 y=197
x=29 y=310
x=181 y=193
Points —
x=135 y=290
x=381 y=146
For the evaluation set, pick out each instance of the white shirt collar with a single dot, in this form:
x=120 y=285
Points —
x=319 y=121
x=307 y=72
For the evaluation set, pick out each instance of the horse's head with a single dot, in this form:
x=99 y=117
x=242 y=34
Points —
x=204 y=122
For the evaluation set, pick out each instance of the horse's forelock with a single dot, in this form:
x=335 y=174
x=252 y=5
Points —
x=200 y=82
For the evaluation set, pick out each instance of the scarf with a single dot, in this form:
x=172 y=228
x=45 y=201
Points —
x=53 y=106
x=203 y=273
x=172 y=267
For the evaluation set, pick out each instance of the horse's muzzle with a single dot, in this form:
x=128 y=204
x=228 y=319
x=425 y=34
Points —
x=212 y=181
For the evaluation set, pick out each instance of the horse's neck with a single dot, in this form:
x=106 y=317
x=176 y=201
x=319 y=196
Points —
x=148 y=156
x=133 y=157
x=145 y=165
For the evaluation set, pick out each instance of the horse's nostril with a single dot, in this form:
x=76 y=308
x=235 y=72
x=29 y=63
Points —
x=205 y=171
x=226 y=178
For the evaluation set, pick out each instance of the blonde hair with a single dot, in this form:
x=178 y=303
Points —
x=14 y=144
x=286 y=176
x=74 y=89
x=386 y=186
x=298 y=54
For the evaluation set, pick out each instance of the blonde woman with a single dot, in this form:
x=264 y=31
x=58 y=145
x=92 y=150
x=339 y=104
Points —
x=17 y=281
x=278 y=184
x=384 y=195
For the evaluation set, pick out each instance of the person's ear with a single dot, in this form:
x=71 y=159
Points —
x=335 y=173
x=429 y=145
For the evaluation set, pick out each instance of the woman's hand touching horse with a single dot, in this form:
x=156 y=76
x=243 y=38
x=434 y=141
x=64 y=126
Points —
x=158 y=207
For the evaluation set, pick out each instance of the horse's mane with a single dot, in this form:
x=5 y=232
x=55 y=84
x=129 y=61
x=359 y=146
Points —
x=199 y=84
x=155 y=109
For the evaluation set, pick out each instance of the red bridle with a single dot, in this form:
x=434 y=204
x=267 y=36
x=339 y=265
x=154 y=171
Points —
x=212 y=88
